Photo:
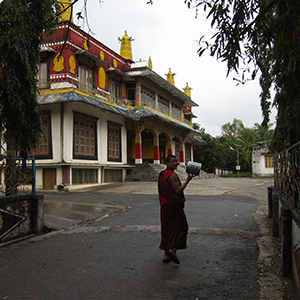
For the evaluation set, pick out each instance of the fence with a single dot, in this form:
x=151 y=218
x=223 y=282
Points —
x=17 y=176
x=284 y=209
x=21 y=210
x=287 y=174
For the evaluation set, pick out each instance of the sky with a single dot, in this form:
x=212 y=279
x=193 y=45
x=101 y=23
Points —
x=168 y=32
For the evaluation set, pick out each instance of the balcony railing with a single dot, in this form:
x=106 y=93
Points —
x=119 y=101
x=126 y=102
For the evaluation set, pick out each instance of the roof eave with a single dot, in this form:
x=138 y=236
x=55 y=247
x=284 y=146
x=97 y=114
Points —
x=161 y=82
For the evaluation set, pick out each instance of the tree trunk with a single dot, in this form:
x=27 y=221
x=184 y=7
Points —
x=11 y=177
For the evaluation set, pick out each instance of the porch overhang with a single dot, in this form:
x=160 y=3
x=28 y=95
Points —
x=44 y=48
x=118 y=72
x=199 y=141
x=97 y=60
x=72 y=96
x=147 y=113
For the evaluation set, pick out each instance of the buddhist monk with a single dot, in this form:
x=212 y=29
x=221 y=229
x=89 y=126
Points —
x=174 y=226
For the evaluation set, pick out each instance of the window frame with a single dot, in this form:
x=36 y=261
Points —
x=269 y=161
x=114 y=89
x=148 y=97
x=163 y=105
x=86 y=69
x=87 y=176
x=90 y=120
x=45 y=115
x=118 y=127
x=47 y=77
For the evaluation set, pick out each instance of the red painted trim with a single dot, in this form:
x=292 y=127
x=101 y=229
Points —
x=156 y=152
x=181 y=159
x=66 y=174
x=138 y=150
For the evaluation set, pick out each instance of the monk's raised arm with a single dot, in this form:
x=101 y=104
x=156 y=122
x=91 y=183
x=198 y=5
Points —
x=173 y=180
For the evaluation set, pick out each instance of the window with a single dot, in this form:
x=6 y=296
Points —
x=85 y=143
x=114 y=89
x=114 y=142
x=163 y=105
x=176 y=112
x=85 y=78
x=148 y=97
x=43 y=75
x=44 y=149
x=84 y=176
x=269 y=161
x=112 y=175
x=131 y=95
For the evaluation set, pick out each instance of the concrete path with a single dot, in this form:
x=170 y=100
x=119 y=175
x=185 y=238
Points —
x=105 y=246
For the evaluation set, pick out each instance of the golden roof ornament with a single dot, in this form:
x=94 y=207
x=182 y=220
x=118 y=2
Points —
x=150 y=63
x=170 y=77
x=126 y=46
x=187 y=90
x=65 y=16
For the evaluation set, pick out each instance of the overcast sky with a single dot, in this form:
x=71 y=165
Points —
x=167 y=31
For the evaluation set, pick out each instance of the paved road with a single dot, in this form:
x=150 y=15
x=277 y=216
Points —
x=106 y=246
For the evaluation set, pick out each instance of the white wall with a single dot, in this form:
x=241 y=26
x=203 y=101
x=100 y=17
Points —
x=258 y=163
x=62 y=139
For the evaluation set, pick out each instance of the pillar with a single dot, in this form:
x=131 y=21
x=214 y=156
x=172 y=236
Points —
x=169 y=146
x=138 y=146
x=138 y=94
x=156 y=148
x=181 y=153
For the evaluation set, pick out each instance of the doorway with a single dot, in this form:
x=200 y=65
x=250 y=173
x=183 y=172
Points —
x=49 y=178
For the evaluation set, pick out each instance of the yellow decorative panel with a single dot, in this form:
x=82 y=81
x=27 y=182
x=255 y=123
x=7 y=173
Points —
x=102 y=78
x=65 y=15
x=72 y=64
x=58 y=63
x=102 y=55
x=123 y=90
x=115 y=63
x=85 y=45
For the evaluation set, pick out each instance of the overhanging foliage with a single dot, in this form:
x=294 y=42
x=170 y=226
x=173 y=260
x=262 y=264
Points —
x=21 y=26
x=260 y=35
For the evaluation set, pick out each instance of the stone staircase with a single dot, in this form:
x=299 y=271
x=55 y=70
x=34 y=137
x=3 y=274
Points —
x=150 y=172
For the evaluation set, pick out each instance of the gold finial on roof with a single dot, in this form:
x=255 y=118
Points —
x=126 y=51
x=65 y=16
x=150 y=63
x=170 y=77
x=187 y=90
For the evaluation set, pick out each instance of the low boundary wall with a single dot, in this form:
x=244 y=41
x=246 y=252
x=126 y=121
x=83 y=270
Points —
x=286 y=225
x=21 y=215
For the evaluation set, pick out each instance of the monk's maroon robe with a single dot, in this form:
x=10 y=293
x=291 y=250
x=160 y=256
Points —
x=174 y=225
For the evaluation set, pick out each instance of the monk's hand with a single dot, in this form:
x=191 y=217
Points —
x=190 y=176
